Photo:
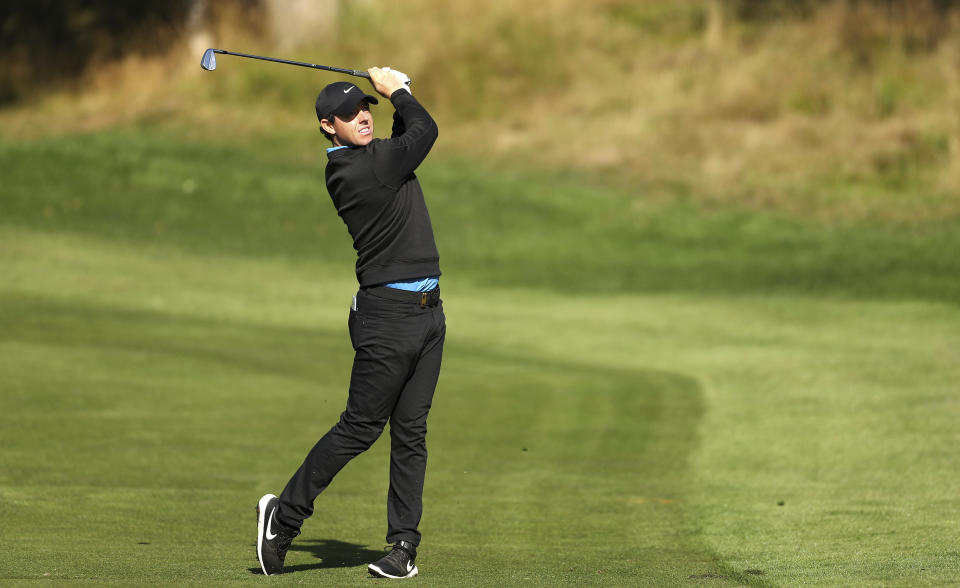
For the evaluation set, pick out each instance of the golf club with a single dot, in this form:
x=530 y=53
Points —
x=209 y=62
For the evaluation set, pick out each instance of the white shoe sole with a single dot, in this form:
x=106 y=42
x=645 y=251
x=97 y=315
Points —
x=261 y=522
x=378 y=572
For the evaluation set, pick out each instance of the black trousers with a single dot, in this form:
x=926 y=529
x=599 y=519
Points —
x=398 y=348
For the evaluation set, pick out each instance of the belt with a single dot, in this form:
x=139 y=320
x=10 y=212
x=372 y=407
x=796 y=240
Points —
x=431 y=298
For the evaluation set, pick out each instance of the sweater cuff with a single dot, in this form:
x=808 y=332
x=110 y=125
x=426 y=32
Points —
x=399 y=93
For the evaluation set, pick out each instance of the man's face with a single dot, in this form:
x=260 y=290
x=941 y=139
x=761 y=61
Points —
x=354 y=129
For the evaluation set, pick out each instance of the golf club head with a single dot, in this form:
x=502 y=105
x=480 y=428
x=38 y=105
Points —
x=209 y=61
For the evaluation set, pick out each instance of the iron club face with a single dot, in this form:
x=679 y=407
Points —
x=209 y=61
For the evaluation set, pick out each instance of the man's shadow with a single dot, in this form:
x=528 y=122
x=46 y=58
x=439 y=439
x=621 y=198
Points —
x=331 y=553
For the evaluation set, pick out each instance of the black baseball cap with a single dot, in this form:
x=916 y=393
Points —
x=340 y=98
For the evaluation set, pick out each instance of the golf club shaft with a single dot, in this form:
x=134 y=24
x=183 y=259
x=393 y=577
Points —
x=352 y=72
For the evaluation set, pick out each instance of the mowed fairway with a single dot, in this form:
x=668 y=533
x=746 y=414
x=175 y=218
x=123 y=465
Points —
x=724 y=399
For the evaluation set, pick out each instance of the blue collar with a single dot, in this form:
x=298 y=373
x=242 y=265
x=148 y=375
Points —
x=329 y=149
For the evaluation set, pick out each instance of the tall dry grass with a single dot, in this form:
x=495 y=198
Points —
x=850 y=112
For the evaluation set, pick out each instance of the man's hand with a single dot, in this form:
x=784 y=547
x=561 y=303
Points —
x=403 y=77
x=387 y=81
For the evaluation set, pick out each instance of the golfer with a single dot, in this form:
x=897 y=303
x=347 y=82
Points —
x=396 y=322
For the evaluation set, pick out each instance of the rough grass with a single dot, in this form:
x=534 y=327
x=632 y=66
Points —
x=848 y=113
x=501 y=226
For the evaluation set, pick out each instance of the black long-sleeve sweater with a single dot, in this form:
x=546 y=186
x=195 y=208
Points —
x=379 y=198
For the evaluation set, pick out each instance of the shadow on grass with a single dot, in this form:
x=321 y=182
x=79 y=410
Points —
x=331 y=553
x=285 y=351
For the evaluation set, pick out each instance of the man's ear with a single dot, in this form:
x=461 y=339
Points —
x=327 y=126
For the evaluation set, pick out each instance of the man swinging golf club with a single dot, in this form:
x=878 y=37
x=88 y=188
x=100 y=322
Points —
x=396 y=322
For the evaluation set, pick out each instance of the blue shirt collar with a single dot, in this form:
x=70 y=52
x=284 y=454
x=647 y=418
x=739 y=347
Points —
x=329 y=149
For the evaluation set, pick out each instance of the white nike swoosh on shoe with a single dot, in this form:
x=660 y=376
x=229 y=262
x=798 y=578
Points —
x=271 y=536
x=262 y=512
x=375 y=570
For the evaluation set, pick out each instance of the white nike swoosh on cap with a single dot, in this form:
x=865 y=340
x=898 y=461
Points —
x=348 y=89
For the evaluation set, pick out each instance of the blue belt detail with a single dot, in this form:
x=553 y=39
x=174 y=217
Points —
x=416 y=285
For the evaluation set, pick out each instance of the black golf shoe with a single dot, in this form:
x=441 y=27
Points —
x=396 y=564
x=272 y=543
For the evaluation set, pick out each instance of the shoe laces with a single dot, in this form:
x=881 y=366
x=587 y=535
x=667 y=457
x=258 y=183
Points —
x=398 y=554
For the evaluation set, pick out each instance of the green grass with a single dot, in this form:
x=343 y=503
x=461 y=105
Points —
x=635 y=391
x=501 y=227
